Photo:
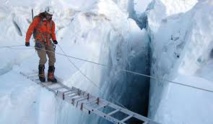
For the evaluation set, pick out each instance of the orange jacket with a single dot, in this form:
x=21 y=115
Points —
x=45 y=29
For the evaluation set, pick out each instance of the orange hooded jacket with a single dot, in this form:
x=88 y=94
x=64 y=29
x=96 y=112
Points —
x=45 y=29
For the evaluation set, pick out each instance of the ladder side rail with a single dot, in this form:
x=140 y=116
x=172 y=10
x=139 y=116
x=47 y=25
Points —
x=49 y=88
x=46 y=84
x=135 y=115
x=64 y=85
x=92 y=100
x=52 y=85
x=126 y=111
x=103 y=115
x=102 y=105
x=57 y=88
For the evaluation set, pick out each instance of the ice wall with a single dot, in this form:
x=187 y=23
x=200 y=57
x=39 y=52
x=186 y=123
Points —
x=181 y=52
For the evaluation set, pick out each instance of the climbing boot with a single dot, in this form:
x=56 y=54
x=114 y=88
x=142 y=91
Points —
x=51 y=76
x=41 y=74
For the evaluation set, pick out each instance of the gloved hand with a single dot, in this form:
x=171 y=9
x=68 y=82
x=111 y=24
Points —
x=27 y=44
x=55 y=41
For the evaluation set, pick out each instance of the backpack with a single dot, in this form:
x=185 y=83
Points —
x=35 y=30
x=39 y=24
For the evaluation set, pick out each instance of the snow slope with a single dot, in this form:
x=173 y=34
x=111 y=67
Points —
x=94 y=32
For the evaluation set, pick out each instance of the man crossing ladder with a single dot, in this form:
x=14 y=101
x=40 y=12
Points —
x=43 y=30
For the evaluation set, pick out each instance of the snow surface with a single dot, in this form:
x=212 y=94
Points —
x=94 y=32
x=101 y=31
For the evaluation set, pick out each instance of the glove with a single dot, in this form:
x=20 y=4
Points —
x=55 y=41
x=27 y=44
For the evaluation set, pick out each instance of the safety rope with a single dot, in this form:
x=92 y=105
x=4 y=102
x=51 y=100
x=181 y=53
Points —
x=77 y=67
x=11 y=46
x=124 y=70
x=86 y=75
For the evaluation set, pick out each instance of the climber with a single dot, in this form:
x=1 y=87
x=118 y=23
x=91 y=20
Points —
x=43 y=30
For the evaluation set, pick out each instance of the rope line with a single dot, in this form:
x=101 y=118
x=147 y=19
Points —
x=77 y=67
x=12 y=46
x=123 y=70
x=86 y=75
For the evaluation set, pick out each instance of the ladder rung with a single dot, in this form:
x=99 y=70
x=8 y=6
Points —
x=100 y=113
x=71 y=93
x=67 y=92
x=113 y=112
x=71 y=96
x=69 y=99
x=130 y=113
x=74 y=100
x=127 y=118
x=79 y=100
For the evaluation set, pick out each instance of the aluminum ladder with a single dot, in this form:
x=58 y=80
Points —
x=91 y=104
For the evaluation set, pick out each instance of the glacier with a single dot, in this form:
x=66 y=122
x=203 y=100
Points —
x=170 y=42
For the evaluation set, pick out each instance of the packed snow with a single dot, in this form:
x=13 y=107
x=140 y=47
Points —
x=88 y=32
